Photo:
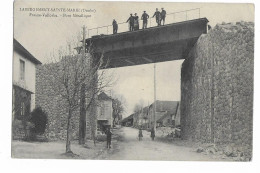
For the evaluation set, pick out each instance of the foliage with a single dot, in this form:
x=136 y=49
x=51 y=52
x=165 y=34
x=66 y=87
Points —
x=139 y=106
x=118 y=109
x=39 y=119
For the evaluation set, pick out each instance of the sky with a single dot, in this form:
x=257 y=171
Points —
x=43 y=35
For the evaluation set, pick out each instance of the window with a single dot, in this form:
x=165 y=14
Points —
x=22 y=108
x=102 y=109
x=22 y=69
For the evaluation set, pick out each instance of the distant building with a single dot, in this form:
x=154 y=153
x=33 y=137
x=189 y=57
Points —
x=128 y=121
x=167 y=114
x=165 y=110
x=24 y=79
x=170 y=118
x=104 y=111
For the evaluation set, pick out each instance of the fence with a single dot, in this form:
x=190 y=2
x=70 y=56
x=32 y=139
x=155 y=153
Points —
x=170 y=18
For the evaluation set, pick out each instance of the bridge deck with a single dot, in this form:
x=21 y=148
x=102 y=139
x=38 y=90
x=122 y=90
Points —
x=155 y=44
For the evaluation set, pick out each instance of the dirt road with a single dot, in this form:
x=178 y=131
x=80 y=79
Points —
x=125 y=146
x=129 y=148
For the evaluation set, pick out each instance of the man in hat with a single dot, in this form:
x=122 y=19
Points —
x=157 y=15
x=163 y=15
x=115 y=26
x=131 y=22
x=145 y=17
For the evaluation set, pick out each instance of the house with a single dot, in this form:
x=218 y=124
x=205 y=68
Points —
x=165 y=120
x=165 y=111
x=128 y=121
x=104 y=112
x=170 y=118
x=24 y=79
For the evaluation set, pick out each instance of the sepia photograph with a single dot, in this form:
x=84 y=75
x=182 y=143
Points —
x=157 y=81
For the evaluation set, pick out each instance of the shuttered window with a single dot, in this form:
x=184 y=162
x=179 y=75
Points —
x=22 y=69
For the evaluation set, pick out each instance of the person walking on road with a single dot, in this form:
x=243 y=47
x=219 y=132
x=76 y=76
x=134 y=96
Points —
x=140 y=134
x=163 y=15
x=115 y=26
x=131 y=22
x=109 y=136
x=152 y=133
x=157 y=15
x=145 y=17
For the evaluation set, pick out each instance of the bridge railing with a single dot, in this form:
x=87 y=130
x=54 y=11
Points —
x=174 y=17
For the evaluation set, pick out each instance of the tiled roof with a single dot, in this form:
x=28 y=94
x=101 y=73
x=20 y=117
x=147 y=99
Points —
x=127 y=118
x=162 y=106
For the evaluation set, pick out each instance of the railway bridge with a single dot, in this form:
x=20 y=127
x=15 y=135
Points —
x=155 y=44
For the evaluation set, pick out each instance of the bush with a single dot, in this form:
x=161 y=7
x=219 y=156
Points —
x=39 y=119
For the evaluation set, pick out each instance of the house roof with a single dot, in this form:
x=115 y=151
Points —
x=127 y=118
x=24 y=52
x=162 y=106
x=104 y=96
x=170 y=107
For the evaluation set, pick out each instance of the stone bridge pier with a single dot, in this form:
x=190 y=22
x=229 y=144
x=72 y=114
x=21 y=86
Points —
x=217 y=87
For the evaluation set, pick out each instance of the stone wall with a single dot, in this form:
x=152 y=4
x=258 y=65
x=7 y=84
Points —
x=54 y=105
x=217 y=86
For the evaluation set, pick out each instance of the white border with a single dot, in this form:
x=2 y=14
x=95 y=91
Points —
x=63 y=166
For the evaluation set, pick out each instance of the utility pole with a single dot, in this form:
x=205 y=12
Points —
x=84 y=41
x=154 y=106
x=82 y=121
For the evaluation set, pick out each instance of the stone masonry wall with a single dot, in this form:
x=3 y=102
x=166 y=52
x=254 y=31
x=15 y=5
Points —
x=55 y=107
x=217 y=86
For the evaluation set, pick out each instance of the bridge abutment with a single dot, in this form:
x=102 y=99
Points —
x=217 y=86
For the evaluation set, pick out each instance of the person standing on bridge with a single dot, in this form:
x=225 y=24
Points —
x=136 y=22
x=157 y=15
x=115 y=26
x=145 y=17
x=163 y=15
x=131 y=22
x=140 y=134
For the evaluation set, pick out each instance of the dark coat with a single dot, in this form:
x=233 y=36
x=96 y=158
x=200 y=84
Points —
x=145 y=17
x=109 y=135
x=157 y=14
x=152 y=133
x=115 y=26
x=163 y=13
x=131 y=20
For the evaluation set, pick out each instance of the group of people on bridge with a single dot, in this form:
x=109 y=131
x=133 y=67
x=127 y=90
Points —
x=134 y=20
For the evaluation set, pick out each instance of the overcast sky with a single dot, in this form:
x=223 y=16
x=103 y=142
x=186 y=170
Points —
x=43 y=35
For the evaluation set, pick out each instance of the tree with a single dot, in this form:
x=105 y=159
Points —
x=78 y=80
x=138 y=106
x=118 y=109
